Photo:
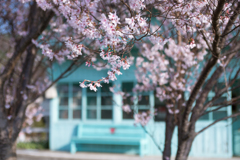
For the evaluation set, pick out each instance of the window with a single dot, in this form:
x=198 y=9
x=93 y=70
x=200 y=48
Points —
x=128 y=100
x=138 y=103
x=160 y=108
x=91 y=104
x=76 y=101
x=63 y=101
x=106 y=102
x=98 y=105
x=143 y=102
x=70 y=101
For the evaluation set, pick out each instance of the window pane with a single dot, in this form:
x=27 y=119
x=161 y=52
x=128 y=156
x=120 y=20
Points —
x=91 y=91
x=219 y=100
x=62 y=89
x=76 y=114
x=105 y=87
x=63 y=114
x=161 y=113
x=204 y=117
x=128 y=100
x=127 y=86
x=77 y=90
x=219 y=114
x=144 y=100
x=128 y=115
x=77 y=101
x=143 y=110
x=160 y=110
x=106 y=114
x=91 y=101
x=63 y=101
x=106 y=100
x=91 y=114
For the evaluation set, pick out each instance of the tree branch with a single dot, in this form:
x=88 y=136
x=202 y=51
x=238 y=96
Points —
x=233 y=115
x=205 y=72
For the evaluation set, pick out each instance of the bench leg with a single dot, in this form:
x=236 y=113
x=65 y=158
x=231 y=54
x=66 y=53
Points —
x=73 y=148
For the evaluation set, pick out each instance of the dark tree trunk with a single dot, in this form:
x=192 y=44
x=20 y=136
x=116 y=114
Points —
x=169 y=121
x=11 y=119
x=184 y=148
x=8 y=150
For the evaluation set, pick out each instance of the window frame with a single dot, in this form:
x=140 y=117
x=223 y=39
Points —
x=84 y=106
x=70 y=107
x=136 y=107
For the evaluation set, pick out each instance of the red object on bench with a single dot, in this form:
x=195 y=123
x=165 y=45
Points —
x=112 y=130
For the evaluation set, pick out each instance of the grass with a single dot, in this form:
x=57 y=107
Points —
x=33 y=145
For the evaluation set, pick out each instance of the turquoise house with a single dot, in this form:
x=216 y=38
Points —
x=82 y=120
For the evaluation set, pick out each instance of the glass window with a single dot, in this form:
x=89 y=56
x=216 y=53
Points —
x=219 y=101
x=62 y=90
x=76 y=102
x=63 y=114
x=76 y=114
x=143 y=110
x=128 y=100
x=63 y=101
x=143 y=104
x=99 y=104
x=144 y=100
x=91 y=100
x=128 y=115
x=204 y=117
x=127 y=86
x=91 y=114
x=160 y=108
x=70 y=96
x=105 y=87
x=76 y=96
x=106 y=114
x=106 y=100
x=219 y=114
x=92 y=104
x=76 y=90
x=91 y=91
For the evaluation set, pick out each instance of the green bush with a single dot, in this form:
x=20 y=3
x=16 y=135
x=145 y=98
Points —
x=33 y=145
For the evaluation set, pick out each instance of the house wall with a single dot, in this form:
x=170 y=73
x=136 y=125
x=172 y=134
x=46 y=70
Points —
x=214 y=142
x=236 y=123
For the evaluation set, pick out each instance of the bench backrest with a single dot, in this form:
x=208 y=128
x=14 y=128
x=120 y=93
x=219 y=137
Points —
x=93 y=130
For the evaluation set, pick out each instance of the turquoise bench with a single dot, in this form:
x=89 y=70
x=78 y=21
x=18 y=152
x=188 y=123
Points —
x=110 y=135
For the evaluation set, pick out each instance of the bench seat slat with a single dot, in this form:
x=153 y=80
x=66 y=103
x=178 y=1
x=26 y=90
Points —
x=105 y=140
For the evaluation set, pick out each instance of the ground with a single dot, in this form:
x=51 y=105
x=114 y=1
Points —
x=54 y=155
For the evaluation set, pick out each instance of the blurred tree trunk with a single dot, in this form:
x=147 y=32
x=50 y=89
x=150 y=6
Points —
x=169 y=121
x=12 y=118
x=184 y=148
x=7 y=142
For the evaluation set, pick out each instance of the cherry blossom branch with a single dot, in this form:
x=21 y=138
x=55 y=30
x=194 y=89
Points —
x=206 y=70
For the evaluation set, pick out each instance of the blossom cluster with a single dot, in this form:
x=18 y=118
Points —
x=116 y=63
x=142 y=118
x=172 y=37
